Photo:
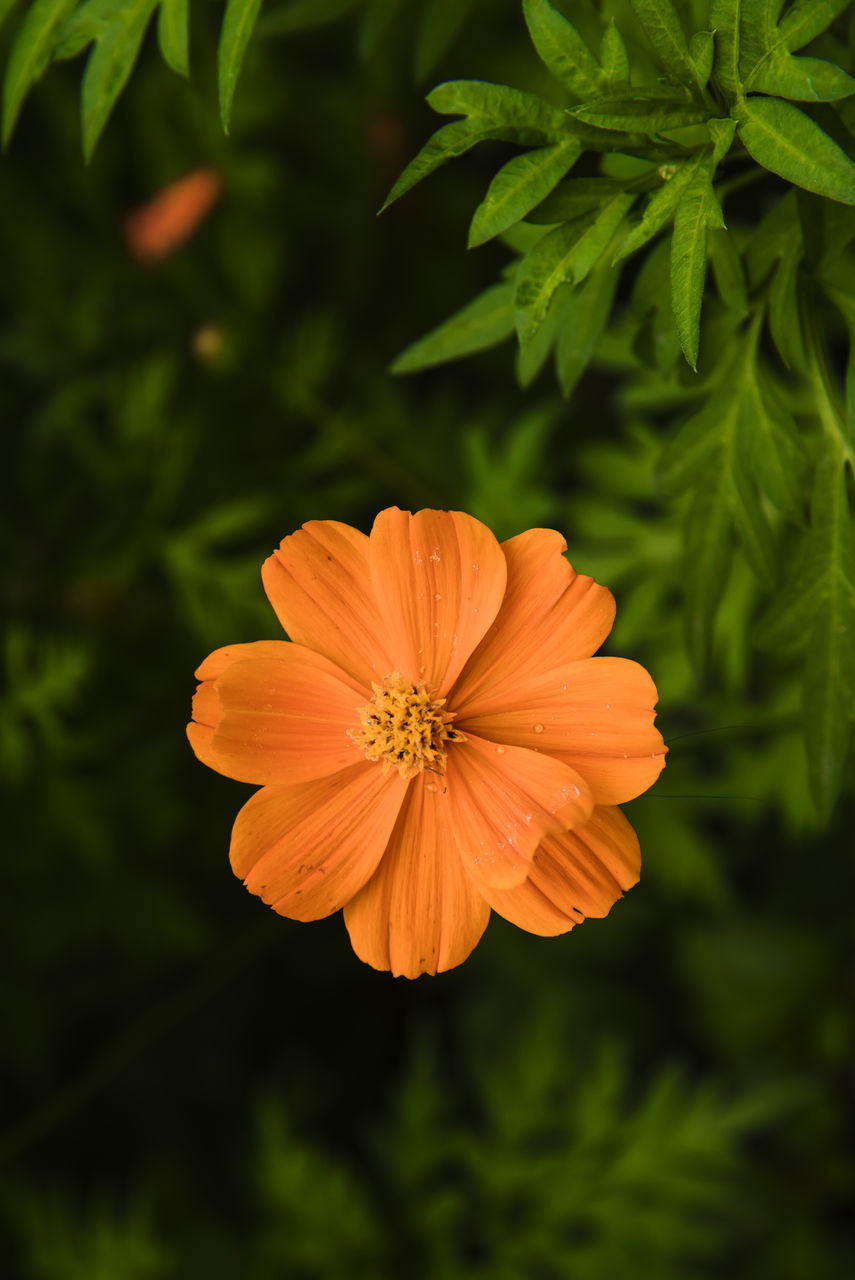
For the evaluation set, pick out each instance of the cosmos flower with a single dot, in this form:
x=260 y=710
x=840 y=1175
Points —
x=170 y=218
x=434 y=741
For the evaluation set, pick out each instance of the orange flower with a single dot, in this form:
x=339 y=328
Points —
x=434 y=741
x=158 y=228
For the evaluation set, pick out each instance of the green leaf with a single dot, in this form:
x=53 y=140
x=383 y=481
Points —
x=660 y=207
x=661 y=25
x=805 y=79
x=722 y=132
x=816 y=610
x=584 y=313
x=639 y=115
x=483 y=322
x=536 y=344
x=110 y=62
x=518 y=186
x=173 y=33
x=702 y=53
x=6 y=6
x=449 y=141
x=770 y=444
x=500 y=105
x=724 y=20
x=574 y=197
x=846 y=305
x=807 y=19
x=238 y=23
x=707 y=550
x=698 y=210
x=563 y=256
x=770 y=238
x=784 y=310
x=615 y=60
x=728 y=271
x=30 y=53
x=784 y=140
x=562 y=50
x=756 y=32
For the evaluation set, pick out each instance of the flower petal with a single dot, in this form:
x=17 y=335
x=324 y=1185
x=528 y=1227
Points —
x=550 y=616
x=577 y=874
x=320 y=586
x=439 y=578
x=596 y=715
x=307 y=849
x=503 y=801
x=274 y=712
x=420 y=912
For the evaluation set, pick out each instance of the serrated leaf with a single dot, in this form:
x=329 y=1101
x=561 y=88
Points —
x=584 y=315
x=698 y=210
x=661 y=25
x=784 y=311
x=702 y=52
x=238 y=23
x=805 y=79
x=173 y=35
x=727 y=269
x=110 y=63
x=520 y=185
x=614 y=59
x=30 y=53
x=639 y=115
x=660 y=207
x=561 y=49
x=564 y=256
x=784 y=140
x=750 y=521
x=724 y=20
x=482 y=323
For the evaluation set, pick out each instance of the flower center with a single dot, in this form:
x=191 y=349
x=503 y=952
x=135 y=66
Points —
x=405 y=725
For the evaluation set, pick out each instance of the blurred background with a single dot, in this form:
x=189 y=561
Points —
x=193 y=1086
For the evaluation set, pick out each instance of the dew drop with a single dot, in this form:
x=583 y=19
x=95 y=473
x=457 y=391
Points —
x=437 y=596
x=431 y=786
x=538 y=728
x=500 y=751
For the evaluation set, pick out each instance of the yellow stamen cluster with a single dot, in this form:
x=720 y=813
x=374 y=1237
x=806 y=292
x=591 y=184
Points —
x=405 y=725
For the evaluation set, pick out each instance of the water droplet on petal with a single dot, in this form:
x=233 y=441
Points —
x=437 y=596
x=500 y=751
x=431 y=786
x=538 y=728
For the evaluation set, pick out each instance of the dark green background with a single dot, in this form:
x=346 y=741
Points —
x=193 y=1086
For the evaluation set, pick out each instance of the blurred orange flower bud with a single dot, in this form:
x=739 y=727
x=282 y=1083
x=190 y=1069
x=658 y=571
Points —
x=166 y=222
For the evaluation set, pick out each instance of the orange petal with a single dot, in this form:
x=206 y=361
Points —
x=596 y=715
x=439 y=578
x=170 y=218
x=503 y=801
x=420 y=911
x=284 y=721
x=274 y=712
x=577 y=874
x=550 y=616
x=320 y=586
x=307 y=849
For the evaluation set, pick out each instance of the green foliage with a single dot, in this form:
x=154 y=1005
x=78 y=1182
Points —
x=197 y=1087
x=661 y=143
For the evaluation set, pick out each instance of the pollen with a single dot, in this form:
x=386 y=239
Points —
x=405 y=726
